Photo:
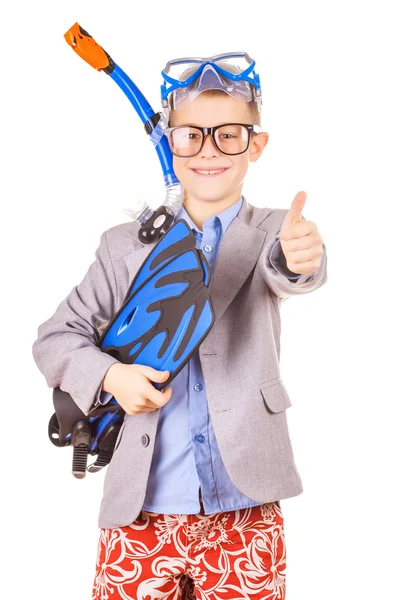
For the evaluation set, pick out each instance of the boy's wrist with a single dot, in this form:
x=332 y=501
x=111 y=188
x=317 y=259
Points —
x=109 y=379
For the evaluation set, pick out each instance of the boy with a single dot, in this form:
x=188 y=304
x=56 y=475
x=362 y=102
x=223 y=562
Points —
x=185 y=507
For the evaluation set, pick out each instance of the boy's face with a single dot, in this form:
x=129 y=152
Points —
x=209 y=111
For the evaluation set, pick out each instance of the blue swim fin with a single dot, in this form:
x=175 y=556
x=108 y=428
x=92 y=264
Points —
x=165 y=316
x=167 y=311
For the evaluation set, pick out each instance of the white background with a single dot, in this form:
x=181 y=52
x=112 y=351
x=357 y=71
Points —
x=74 y=154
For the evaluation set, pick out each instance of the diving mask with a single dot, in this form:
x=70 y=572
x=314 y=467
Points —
x=231 y=72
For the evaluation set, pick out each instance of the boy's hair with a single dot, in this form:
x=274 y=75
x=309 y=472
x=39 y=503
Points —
x=255 y=113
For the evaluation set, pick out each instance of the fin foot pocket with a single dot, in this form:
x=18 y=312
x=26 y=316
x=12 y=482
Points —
x=80 y=439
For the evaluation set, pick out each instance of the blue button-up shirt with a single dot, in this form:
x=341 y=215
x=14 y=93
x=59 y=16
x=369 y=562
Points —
x=186 y=458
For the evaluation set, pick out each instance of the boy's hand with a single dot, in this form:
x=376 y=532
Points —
x=301 y=242
x=132 y=388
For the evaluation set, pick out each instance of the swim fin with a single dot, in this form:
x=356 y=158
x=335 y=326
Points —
x=165 y=316
x=167 y=311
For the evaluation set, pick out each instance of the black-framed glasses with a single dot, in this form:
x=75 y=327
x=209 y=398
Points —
x=230 y=138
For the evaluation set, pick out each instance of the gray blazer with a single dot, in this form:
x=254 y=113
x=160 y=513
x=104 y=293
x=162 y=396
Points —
x=239 y=358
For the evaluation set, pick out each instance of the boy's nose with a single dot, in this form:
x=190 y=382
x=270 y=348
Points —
x=209 y=146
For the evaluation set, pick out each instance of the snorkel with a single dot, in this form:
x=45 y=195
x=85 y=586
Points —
x=209 y=73
x=154 y=223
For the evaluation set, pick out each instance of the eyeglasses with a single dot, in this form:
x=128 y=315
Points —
x=230 y=138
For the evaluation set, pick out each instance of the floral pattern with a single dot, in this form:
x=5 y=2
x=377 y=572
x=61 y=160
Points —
x=232 y=555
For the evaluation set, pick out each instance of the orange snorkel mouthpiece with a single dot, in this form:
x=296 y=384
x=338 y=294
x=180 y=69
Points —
x=85 y=46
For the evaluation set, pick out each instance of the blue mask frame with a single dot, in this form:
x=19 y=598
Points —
x=176 y=83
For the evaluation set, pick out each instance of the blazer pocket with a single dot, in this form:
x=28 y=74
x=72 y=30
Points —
x=275 y=395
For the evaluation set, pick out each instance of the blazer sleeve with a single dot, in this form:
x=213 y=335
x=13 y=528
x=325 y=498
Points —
x=280 y=279
x=65 y=350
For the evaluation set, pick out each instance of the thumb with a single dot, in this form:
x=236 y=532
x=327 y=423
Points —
x=294 y=214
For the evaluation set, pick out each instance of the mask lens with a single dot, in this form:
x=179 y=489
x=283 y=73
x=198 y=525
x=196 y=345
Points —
x=182 y=70
x=185 y=141
x=235 y=64
x=232 y=139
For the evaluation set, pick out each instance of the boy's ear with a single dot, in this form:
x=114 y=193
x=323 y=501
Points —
x=257 y=145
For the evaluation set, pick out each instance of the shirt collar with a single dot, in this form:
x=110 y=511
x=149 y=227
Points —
x=225 y=217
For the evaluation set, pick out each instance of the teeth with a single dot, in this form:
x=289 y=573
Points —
x=209 y=172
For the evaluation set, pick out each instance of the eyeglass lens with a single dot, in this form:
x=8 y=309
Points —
x=230 y=139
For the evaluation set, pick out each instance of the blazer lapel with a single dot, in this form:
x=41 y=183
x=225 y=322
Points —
x=135 y=257
x=237 y=254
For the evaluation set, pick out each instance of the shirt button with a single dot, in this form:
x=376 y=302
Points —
x=200 y=438
x=198 y=387
x=207 y=248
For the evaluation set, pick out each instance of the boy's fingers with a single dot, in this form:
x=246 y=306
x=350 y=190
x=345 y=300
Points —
x=153 y=374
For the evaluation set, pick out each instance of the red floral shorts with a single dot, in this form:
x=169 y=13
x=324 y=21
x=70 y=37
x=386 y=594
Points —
x=230 y=555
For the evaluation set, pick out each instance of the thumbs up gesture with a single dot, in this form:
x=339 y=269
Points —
x=301 y=242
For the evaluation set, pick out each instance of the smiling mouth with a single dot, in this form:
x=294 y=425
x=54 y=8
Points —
x=209 y=172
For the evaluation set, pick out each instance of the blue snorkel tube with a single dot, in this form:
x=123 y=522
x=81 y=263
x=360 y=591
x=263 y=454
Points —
x=154 y=223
